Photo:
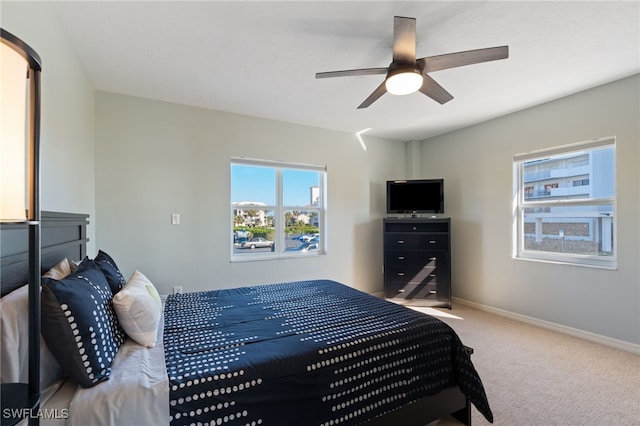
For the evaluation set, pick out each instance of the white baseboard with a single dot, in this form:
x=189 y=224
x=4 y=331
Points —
x=586 y=335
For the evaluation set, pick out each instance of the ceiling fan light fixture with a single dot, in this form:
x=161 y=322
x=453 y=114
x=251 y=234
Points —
x=404 y=82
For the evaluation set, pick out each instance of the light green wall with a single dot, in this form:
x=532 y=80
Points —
x=476 y=163
x=154 y=159
x=67 y=127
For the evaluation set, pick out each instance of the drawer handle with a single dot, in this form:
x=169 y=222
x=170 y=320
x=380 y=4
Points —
x=432 y=258
x=432 y=241
x=400 y=257
x=432 y=292
x=432 y=275
x=401 y=291
x=401 y=274
x=400 y=241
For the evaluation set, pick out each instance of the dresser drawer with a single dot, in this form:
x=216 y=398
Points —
x=400 y=241
x=415 y=275
x=408 y=292
x=417 y=226
x=416 y=241
x=432 y=241
x=414 y=257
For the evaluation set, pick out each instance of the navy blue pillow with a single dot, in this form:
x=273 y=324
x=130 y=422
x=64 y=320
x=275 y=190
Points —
x=80 y=325
x=110 y=270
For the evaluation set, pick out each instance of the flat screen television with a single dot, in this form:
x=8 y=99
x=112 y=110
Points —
x=415 y=196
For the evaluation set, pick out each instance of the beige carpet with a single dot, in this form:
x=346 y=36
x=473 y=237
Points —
x=534 y=376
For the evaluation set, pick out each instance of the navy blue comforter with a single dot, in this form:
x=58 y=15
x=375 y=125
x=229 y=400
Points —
x=305 y=353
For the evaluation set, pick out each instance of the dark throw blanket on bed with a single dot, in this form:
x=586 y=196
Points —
x=305 y=353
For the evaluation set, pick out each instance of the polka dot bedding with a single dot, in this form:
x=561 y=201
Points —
x=305 y=353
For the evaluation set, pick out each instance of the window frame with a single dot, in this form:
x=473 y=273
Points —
x=521 y=204
x=280 y=209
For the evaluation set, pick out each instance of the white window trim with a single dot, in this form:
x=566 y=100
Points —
x=519 y=204
x=279 y=211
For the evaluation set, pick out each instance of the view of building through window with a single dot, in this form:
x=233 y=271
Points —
x=277 y=209
x=566 y=204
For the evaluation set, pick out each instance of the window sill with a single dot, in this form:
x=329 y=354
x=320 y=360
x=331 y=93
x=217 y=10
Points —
x=608 y=264
x=262 y=258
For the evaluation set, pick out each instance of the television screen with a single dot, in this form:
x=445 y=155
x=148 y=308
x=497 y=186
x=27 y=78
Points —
x=415 y=196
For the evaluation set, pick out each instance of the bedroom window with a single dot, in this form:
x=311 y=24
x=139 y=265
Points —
x=277 y=209
x=565 y=204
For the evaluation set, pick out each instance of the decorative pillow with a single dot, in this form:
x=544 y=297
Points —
x=59 y=271
x=110 y=270
x=80 y=325
x=138 y=307
x=14 y=343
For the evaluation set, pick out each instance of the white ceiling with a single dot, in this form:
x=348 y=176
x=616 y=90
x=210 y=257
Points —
x=260 y=58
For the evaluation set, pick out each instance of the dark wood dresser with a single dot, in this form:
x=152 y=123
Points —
x=417 y=261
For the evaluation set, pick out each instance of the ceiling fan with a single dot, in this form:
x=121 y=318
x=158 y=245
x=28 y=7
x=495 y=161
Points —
x=407 y=74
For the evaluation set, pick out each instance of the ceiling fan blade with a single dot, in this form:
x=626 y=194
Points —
x=404 y=40
x=381 y=90
x=348 y=73
x=458 y=59
x=432 y=89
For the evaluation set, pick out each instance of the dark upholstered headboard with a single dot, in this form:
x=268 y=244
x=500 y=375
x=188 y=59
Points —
x=62 y=235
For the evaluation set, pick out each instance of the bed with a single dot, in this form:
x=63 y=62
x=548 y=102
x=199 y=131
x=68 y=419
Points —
x=301 y=353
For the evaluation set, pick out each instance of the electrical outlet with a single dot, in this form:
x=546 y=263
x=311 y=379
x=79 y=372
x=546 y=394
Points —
x=177 y=289
x=175 y=218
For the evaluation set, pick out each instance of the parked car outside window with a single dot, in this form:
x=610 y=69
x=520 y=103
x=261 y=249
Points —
x=256 y=242
x=304 y=247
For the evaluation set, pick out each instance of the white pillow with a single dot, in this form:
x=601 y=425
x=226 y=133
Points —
x=73 y=264
x=138 y=307
x=14 y=336
x=14 y=342
x=59 y=271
